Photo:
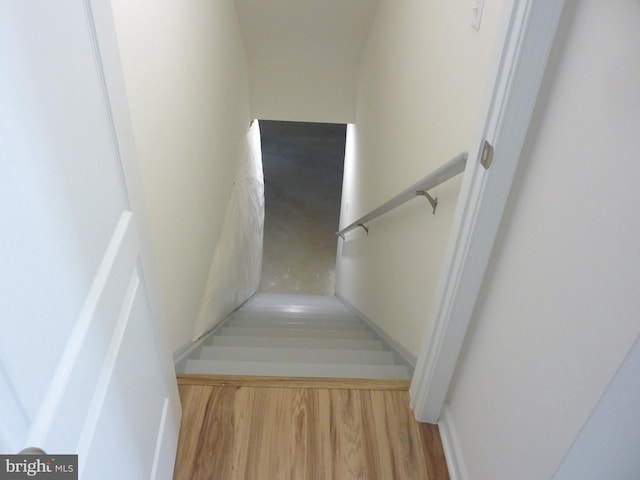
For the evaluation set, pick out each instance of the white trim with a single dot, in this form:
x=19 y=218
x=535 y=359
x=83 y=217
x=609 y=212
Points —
x=451 y=446
x=483 y=196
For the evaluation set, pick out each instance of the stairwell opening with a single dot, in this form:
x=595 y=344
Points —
x=295 y=326
x=303 y=169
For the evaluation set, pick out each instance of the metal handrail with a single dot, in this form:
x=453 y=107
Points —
x=450 y=169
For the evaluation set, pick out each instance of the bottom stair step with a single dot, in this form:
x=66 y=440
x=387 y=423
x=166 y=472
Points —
x=304 y=355
x=281 y=369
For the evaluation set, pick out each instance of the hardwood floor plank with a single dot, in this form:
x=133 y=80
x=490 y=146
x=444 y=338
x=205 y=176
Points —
x=370 y=443
x=404 y=441
x=254 y=442
x=377 y=453
x=434 y=457
x=193 y=401
x=319 y=463
x=246 y=418
x=214 y=443
x=299 y=418
x=346 y=425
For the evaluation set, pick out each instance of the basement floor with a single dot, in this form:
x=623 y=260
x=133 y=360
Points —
x=303 y=169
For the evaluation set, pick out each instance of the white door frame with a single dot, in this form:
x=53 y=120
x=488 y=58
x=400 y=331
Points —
x=529 y=37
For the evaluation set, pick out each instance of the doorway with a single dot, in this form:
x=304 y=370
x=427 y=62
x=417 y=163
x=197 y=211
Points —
x=303 y=168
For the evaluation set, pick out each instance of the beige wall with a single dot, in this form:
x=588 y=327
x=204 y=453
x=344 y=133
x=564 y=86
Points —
x=560 y=306
x=186 y=75
x=422 y=88
x=299 y=90
x=304 y=56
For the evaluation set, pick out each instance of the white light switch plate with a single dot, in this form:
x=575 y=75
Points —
x=476 y=13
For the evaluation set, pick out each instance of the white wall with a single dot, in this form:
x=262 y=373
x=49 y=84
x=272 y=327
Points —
x=559 y=311
x=422 y=87
x=186 y=74
x=303 y=90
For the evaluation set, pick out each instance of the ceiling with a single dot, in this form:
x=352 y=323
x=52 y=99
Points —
x=327 y=31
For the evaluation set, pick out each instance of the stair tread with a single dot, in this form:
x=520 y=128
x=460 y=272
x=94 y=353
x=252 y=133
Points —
x=298 y=332
x=303 y=355
x=257 y=341
x=279 y=323
x=301 y=315
x=338 y=370
x=286 y=302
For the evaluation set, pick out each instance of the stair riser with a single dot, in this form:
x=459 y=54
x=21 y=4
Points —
x=293 y=324
x=318 y=355
x=272 y=342
x=296 y=369
x=300 y=316
x=297 y=333
x=279 y=302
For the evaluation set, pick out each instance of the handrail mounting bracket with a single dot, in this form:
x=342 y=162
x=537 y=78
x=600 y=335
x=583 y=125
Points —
x=432 y=201
x=366 y=229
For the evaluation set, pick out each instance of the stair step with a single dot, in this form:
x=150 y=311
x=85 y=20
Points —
x=337 y=370
x=295 y=336
x=259 y=341
x=303 y=355
x=297 y=332
x=295 y=315
x=280 y=302
x=280 y=323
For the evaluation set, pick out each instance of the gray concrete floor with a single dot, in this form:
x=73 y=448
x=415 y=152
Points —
x=303 y=168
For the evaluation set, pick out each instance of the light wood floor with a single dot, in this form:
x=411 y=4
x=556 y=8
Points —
x=288 y=430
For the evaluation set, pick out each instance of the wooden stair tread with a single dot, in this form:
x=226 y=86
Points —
x=297 y=369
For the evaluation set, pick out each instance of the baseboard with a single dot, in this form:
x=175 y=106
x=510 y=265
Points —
x=406 y=355
x=451 y=446
x=182 y=351
x=181 y=355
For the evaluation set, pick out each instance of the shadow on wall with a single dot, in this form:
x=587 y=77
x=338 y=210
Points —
x=303 y=169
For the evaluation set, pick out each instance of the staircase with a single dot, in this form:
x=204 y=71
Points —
x=295 y=336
